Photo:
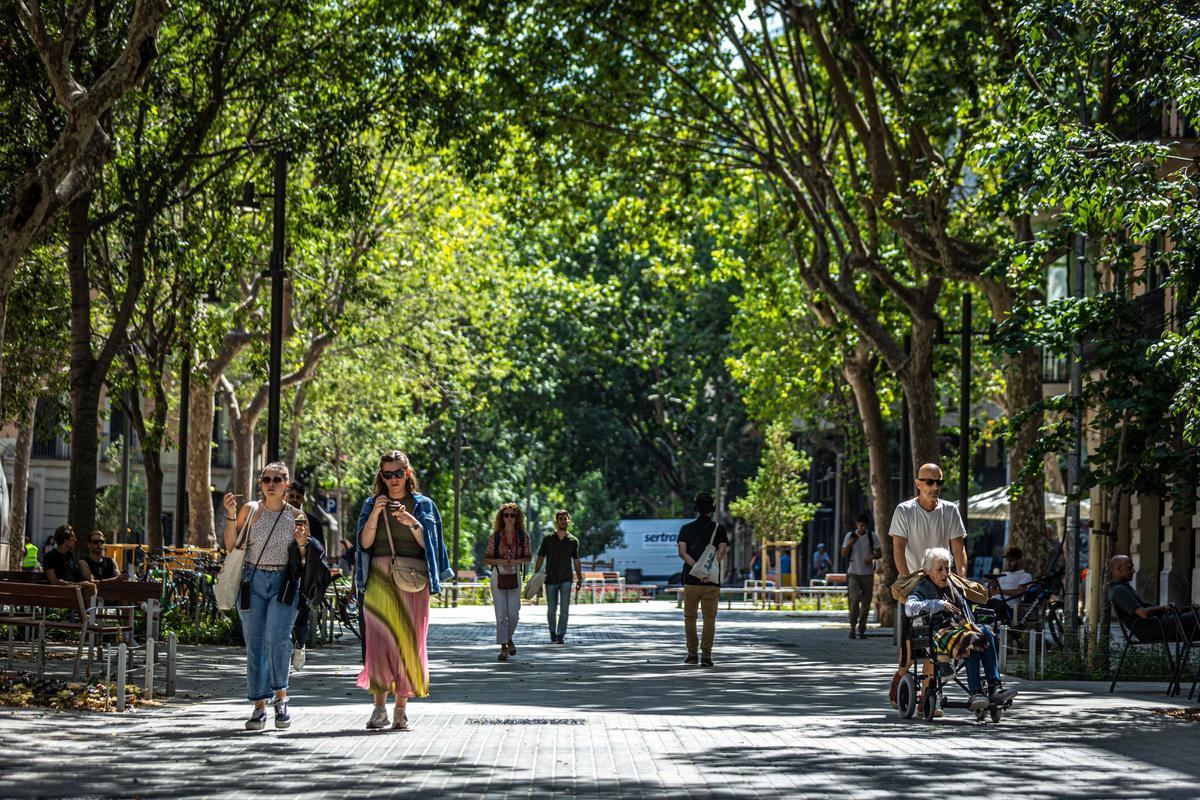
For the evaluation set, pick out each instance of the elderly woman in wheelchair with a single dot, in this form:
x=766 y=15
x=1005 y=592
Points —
x=942 y=629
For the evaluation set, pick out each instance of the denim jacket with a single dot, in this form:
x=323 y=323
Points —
x=436 y=557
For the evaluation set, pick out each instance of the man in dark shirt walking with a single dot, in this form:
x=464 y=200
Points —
x=694 y=538
x=560 y=550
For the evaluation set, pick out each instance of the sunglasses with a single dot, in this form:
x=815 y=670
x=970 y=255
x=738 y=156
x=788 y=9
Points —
x=96 y=541
x=389 y=474
x=932 y=481
x=510 y=513
x=272 y=479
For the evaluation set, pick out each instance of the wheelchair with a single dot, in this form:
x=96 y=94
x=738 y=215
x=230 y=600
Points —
x=946 y=673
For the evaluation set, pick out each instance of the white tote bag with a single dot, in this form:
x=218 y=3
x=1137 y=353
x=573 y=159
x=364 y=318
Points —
x=707 y=568
x=534 y=585
x=229 y=580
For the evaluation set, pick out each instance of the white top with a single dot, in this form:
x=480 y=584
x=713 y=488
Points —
x=925 y=529
x=1011 y=580
x=861 y=552
x=276 y=543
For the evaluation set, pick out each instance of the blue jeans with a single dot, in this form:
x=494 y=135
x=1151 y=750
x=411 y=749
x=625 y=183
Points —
x=267 y=629
x=990 y=665
x=556 y=594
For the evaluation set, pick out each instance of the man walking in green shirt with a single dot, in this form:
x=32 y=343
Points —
x=559 y=549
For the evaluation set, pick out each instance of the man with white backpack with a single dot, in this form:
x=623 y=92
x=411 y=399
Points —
x=702 y=545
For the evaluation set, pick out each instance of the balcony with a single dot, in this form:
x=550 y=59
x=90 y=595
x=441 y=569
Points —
x=222 y=454
x=55 y=449
x=1055 y=369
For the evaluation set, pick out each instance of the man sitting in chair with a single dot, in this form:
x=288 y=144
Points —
x=1136 y=611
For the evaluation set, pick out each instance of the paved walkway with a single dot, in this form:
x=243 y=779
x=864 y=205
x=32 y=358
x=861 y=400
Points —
x=793 y=708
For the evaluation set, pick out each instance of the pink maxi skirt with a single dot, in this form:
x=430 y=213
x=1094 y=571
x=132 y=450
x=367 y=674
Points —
x=395 y=624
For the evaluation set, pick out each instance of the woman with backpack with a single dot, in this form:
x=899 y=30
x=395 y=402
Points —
x=507 y=548
x=401 y=530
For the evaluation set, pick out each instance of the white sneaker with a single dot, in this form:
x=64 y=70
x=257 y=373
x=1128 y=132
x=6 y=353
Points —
x=297 y=659
x=978 y=702
x=379 y=718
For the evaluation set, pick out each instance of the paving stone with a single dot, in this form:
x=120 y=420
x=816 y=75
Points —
x=792 y=708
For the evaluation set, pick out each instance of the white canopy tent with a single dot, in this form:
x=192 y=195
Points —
x=993 y=504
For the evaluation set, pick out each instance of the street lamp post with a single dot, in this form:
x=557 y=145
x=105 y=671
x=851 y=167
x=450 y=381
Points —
x=279 y=216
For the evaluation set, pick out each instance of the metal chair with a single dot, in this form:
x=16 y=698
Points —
x=1134 y=639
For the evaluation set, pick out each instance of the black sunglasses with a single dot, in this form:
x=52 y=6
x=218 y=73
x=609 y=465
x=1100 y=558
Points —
x=932 y=481
x=272 y=479
x=388 y=474
x=95 y=541
x=510 y=513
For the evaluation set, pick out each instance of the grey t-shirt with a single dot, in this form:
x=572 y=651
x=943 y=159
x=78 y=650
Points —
x=925 y=529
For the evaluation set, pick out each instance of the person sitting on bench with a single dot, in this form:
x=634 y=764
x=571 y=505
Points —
x=96 y=566
x=1138 y=612
x=60 y=565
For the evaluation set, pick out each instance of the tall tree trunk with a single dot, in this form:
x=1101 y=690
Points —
x=860 y=374
x=201 y=532
x=151 y=447
x=152 y=461
x=293 y=450
x=1027 y=518
x=19 y=496
x=85 y=389
x=916 y=380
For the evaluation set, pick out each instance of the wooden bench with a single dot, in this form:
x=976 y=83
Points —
x=129 y=594
x=124 y=595
x=26 y=605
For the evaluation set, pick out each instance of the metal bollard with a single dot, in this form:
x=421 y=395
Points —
x=107 y=677
x=1033 y=655
x=122 y=658
x=1003 y=647
x=172 y=644
x=151 y=660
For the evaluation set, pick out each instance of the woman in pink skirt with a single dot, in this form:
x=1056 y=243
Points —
x=402 y=532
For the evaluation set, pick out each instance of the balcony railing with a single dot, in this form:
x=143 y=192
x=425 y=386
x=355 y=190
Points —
x=56 y=449
x=1055 y=369
x=222 y=454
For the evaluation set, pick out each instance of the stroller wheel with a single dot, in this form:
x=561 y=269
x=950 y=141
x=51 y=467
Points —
x=906 y=696
x=996 y=713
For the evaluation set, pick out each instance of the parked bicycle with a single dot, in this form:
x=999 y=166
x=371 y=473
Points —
x=1041 y=609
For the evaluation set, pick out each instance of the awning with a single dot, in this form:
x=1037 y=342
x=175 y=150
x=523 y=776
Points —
x=993 y=504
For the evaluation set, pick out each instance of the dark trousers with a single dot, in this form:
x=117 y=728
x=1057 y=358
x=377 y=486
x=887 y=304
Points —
x=859 y=589
x=300 y=629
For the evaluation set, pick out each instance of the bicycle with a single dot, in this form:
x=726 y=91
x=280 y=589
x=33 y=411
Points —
x=1041 y=610
x=341 y=600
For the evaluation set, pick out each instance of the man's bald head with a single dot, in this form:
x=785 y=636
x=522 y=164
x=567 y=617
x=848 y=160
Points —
x=1120 y=567
x=928 y=491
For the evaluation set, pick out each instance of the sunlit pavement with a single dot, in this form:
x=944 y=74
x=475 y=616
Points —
x=792 y=708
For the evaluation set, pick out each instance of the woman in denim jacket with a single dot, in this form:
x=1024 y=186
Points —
x=399 y=530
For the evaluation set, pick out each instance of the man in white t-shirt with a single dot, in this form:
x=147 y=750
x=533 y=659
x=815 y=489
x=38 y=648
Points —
x=919 y=524
x=926 y=521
